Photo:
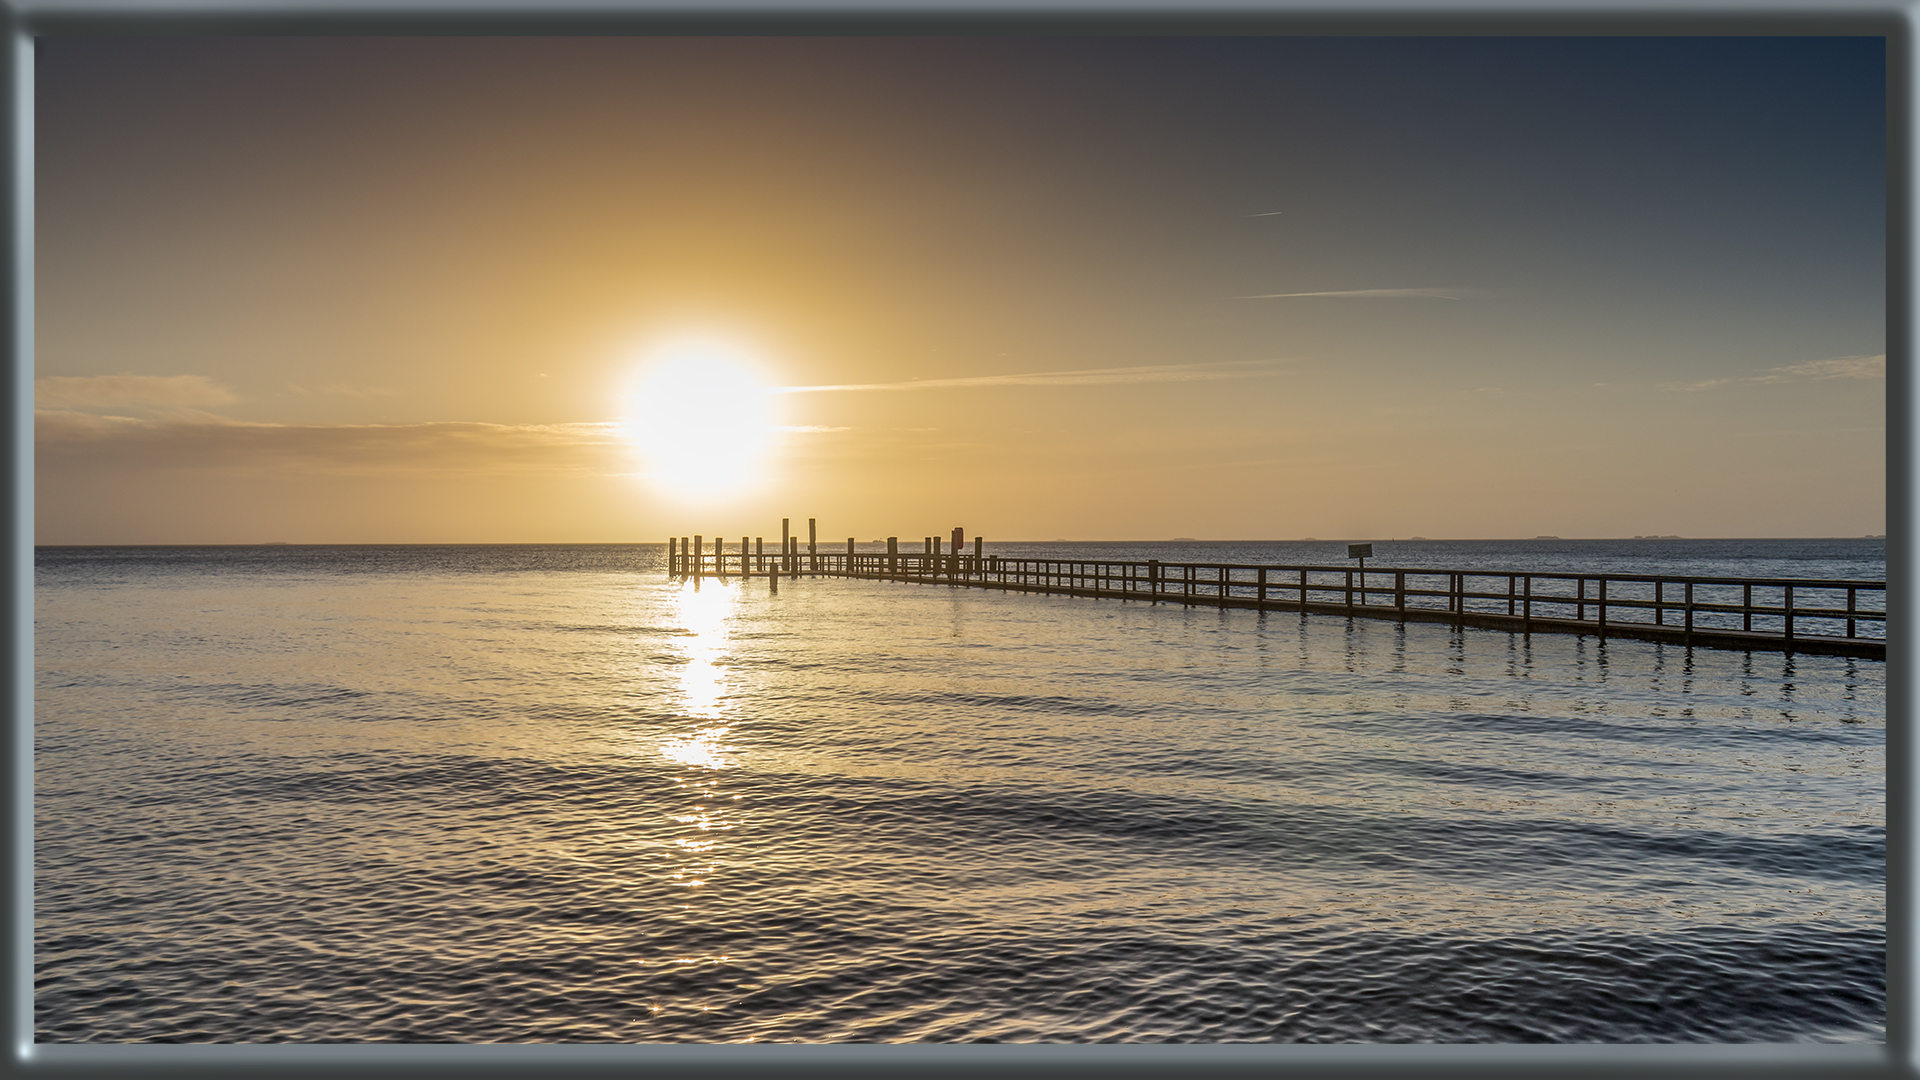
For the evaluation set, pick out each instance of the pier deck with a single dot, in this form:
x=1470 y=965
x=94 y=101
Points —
x=1836 y=617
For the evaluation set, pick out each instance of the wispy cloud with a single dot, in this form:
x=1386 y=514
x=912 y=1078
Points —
x=1374 y=294
x=1838 y=367
x=1234 y=369
x=344 y=390
x=72 y=438
x=124 y=391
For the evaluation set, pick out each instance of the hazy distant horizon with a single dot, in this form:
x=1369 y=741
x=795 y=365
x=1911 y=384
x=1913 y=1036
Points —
x=734 y=539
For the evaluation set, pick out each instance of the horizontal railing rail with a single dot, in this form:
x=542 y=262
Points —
x=1795 y=614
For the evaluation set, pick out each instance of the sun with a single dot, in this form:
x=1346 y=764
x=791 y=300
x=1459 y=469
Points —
x=701 y=415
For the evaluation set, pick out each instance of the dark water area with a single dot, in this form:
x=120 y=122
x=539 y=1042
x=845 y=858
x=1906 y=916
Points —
x=540 y=793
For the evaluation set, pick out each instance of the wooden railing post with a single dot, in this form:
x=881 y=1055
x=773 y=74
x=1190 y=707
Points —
x=673 y=564
x=1153 y=578
x=1603 y=607
x=1789 y=617
x=1349 y=591
x=1262 y=586
x=1746 y=603
x=1526 y=605
x=1850 y=610
x=1659 y=605
x=1400 y=593
x=1688 y=601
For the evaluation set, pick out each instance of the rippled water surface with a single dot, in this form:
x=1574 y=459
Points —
x=543 y=794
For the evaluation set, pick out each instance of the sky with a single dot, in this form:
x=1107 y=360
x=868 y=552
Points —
x=495 y=290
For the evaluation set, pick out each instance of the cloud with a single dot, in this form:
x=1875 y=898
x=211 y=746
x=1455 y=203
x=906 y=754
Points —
x=137 y=391
x=1236 y=369
x=344 y=389
x=1838 y=367
x=1374 y=294
x=78 y=439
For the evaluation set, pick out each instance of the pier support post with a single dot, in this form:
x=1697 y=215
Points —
x=785 y=545
x=893 y=557
x=673 y=566
x=813 y=552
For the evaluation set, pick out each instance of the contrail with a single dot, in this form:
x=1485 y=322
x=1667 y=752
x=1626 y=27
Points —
x=1380 y=294
x=1270 y=213
x=1237 y=369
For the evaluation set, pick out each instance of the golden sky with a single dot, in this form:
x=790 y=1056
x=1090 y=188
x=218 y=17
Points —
x=616 y=289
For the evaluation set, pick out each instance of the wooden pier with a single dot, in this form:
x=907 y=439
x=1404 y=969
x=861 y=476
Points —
x=1836 y=617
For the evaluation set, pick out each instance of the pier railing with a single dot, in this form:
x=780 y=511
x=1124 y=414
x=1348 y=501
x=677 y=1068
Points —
x=1846 y=617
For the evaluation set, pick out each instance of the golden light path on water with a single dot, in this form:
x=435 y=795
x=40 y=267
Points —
x=704 y=613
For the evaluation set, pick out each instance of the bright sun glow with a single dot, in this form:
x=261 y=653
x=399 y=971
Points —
x=702 y=416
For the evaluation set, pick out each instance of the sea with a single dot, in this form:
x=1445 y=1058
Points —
x=544 y=794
